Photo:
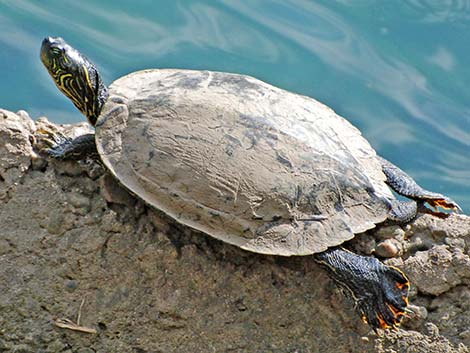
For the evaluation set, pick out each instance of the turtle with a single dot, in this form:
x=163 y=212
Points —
x=267 y=170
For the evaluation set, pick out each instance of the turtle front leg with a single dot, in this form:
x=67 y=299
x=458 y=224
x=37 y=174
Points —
x=404 y=185
x=66 y=148
x=380 y=292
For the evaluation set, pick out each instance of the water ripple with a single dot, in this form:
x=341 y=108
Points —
x=197 y=23
x=15 y=36
x=441 y=11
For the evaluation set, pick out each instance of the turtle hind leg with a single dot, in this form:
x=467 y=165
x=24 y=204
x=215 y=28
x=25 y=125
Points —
x=404 y=185
x=63 y=147
x=402 y=211
x=380 y=292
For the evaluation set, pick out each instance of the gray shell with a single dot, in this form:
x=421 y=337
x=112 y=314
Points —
x=253 y=165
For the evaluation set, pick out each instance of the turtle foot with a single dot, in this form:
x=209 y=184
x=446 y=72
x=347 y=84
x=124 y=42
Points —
x=387 y=307
x=445 y=203
x=59 y=146
x=380 y=292
x=404 y=185
x=53 y=143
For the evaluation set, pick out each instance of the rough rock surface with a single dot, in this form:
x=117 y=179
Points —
x=74 y=245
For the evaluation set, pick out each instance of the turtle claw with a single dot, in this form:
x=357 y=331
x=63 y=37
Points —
x=56 y=152
x=52 y=142
x=445 y=203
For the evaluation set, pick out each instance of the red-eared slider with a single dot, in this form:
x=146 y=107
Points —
x=245 y=162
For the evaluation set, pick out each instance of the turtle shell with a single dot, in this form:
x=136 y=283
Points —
x=256 y=166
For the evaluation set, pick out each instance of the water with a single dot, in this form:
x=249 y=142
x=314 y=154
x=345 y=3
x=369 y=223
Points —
x=398 y=70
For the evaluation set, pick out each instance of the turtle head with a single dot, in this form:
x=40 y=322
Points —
x=75 y=75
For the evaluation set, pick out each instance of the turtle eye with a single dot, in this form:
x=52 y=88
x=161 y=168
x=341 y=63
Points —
x=57 y=51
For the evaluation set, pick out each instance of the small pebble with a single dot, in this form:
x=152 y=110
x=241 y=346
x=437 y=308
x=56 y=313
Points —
x=78 y=200
x=431 y=329
x=387 y=248
x=71 y=285
x=415 y=319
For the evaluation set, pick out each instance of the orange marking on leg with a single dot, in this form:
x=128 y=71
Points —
x=444 y=204
x=383 y=323
x=403 y=286
x=405 y=299
x=396 y=312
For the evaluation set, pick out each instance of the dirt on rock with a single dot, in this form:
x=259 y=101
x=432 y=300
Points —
x=86 y=267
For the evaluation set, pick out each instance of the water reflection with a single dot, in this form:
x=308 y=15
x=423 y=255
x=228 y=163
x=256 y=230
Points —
x=13 y=36
x=441 y=11
x=443 y=58
x=337 y=44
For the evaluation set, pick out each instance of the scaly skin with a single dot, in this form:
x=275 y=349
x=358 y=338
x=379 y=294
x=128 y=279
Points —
x=380 y=292
x=404 y=185
x=75 y=76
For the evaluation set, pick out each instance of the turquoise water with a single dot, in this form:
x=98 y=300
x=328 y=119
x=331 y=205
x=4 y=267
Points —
x=398 y=70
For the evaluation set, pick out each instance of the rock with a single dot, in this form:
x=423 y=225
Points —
x=387 y=232
x=15 y=150
x=435 y=230
x=72 y=241
x=113 y=192
x=417 y=342
x=437 y=270
x=416 y=318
